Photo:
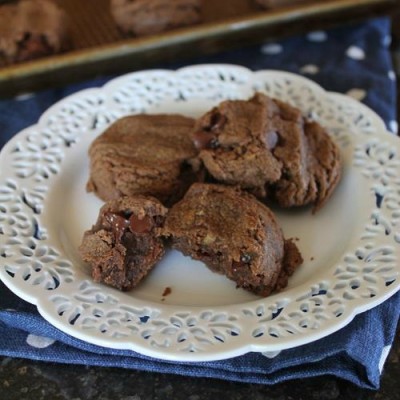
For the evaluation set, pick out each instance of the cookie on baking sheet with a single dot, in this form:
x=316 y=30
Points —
x=146 y=17
x=31 y=29
x=122 y=247
x=143 y=154
x=233 y=234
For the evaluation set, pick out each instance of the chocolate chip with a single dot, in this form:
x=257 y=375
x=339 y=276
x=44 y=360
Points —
x=118 y=224
x=203 y=140
x=206 y=137
x=217 y=122
x=121 y=221
x=143 y=225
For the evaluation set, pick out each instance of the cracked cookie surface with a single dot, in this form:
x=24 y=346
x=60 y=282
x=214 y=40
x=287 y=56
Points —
x=143 y=154
x=233 y=234
x=267 y=147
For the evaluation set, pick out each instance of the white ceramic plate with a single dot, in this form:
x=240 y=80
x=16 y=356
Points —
x=351 y=247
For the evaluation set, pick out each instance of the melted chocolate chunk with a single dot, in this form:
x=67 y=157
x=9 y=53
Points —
x=140 y=225
x=204 y=139
x=122 y=221
x=120 y=248
x=218 y=122
x=118 y=224
x=207 y=138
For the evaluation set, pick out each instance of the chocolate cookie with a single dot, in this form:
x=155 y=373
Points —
x=32 y=29
x=147 y=17
x=143 y=154
x=311 y=168
x=235 y=141
x=267 y=147
x=233 y=234
x=122 y=247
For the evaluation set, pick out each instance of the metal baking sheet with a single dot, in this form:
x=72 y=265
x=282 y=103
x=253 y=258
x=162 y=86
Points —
x=99 y=48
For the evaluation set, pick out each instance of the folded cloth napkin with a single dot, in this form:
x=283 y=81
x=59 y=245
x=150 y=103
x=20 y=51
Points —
x=353 y=60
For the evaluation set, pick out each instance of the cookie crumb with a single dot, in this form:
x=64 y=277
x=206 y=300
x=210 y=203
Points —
x=167 y=291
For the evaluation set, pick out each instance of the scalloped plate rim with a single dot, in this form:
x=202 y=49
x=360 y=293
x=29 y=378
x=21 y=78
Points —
x=286 y=343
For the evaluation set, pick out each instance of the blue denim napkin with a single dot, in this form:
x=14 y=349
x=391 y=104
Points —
x=353 y=60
